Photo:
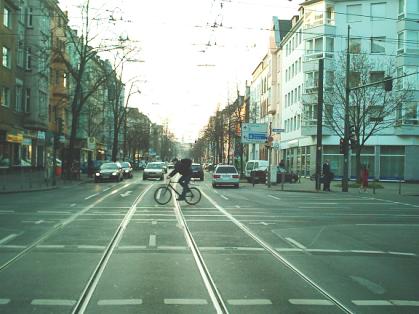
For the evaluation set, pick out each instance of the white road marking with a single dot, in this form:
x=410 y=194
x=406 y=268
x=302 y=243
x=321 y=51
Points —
x=53 y=302
x=250 y=302
x=13 y=246
x=93 y=195
x=152 y=241
x=287 y=249
x=324 y=250
x=224 y=197
x=7 y=211
x=120 y=302
x=367 y=252
x=371 y=302
x=51 y=246
x=311 y=302
x=37 y=222
x=185 y=301
x=8 y=238
x=405 y=302
x=4 y=301
x=274 y=197
x=52 y=212
x=107 y=189
x=296 y=243
x=127 y=193
x=402 y=253
x=389 y=225
x=164 y=247
x=91 y=247
x=263 y=223
x=237 y=206
x=154 y=222
x=132 y=247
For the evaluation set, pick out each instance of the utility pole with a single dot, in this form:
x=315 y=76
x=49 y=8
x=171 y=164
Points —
x=319 y=124
x=269 y=147
x=346 y=123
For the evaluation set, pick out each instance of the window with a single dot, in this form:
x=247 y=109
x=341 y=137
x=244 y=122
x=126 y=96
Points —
x=28 y=59
x=401 y=7
x=400 y=44
x=6 y=58
x=330 y=78
x=412 y=42
x=354 y=79
x=378 y=11
x=411 y=113
x=29 y=18
x=355 y=45
x=286 y=100
x=312 y=79
x=377 y=45
x=28 y=100
x=376 y=76
x=5 y=97
x=353 y=13
x=7 y=17
x=19 y=98
x=318 y=45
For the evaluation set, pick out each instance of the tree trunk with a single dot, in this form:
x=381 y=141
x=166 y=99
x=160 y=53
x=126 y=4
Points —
x=358 y=164
x=115 y=144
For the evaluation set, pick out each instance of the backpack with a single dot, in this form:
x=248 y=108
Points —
x=186 y=165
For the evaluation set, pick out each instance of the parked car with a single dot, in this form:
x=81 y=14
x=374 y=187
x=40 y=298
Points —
x=290 y=176
x=154 y=170
x=127 y=169
x=225 y=175
x=170 y=166
x=109 y=171
x=197 y=172
x=258 y=168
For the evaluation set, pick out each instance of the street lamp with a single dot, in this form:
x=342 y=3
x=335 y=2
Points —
x=271 y=113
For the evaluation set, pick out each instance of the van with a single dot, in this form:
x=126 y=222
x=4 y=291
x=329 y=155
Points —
x=255 y=165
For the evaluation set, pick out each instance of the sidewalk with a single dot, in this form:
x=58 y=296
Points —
x=29 y=180
x=308 y=186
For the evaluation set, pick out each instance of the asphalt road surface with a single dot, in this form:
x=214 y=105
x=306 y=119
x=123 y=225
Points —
x=109 y=248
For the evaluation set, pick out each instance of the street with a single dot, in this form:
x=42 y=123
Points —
x=109 y=248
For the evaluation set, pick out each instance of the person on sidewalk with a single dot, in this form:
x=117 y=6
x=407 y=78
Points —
x=327 y=176
x=364 y=178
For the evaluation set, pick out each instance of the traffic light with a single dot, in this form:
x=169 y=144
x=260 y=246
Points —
x=342 y=146
x=388 y=83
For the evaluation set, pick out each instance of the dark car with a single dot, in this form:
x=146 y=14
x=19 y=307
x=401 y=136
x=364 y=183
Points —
x=197 y=172
x=109 y=171
x=289 y=176
x=126 y=169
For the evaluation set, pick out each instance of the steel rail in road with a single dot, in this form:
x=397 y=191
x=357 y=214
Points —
x=279 y=257
x=91 y=285
x=57 y=228
x=213 y=292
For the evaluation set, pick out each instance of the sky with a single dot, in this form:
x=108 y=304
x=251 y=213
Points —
x=192 y=55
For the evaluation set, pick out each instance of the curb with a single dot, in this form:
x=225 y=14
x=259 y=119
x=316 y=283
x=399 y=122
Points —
x=30 y=190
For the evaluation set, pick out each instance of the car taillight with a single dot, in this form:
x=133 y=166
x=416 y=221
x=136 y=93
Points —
x=235 y=176
x=216 y=176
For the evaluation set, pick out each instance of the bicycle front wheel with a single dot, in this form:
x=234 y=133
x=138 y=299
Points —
x=162 y=195
x=193 y=196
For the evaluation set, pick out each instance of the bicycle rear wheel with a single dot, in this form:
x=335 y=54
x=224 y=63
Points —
x=163 y=195
x=193 y=196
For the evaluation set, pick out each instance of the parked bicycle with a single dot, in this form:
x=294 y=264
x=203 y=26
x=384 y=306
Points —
x=163 y=194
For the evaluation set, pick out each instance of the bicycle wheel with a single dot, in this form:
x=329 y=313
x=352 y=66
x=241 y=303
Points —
x=193 y=196
x=162 y=195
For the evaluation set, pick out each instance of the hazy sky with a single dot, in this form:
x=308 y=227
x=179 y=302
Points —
x=191 y=63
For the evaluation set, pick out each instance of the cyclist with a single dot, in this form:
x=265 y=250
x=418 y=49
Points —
x=184 y=167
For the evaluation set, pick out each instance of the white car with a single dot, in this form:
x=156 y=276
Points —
x=225 y=175
x=154 y=170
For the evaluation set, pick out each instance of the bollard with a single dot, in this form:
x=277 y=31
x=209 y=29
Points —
x=400 y=186
x=253 y=178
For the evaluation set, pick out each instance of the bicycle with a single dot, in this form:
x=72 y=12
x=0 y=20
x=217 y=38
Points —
x=163 y=194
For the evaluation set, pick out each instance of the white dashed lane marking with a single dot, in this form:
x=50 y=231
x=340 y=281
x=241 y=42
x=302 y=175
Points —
x=4 y=301
x=310 y=302
x=185 y=301
x=250 y=302
x=385 y=302
x=89 y=197
x=120 y=302
x=8 y=238
x=152 y=241
x=53 y=302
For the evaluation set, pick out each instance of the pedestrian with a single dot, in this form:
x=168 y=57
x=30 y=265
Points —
x=282 y=164
x=364 y=178
x=327 y=176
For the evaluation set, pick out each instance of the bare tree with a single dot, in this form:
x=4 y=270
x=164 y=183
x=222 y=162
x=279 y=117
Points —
x=371 y=109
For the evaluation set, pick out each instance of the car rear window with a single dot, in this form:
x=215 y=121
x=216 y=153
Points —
x=226 y=170
x=109 y=166
x=196 y=167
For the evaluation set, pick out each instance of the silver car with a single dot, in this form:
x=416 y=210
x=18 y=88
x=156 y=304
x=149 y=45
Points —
x=154 y=170
x=225 y=175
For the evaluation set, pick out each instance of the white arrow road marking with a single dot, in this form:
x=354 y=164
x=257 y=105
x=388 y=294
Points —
x=126 y=193
x=224 y=197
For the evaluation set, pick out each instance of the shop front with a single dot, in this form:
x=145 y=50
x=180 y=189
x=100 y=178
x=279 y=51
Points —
x=10 y=148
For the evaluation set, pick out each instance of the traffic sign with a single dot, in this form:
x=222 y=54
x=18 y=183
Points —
x=254 y=133
x=278 y=130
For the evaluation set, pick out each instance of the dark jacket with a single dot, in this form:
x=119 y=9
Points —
x=182 y=168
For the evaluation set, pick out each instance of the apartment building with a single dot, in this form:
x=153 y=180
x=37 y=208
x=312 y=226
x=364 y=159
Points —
x=384 y=31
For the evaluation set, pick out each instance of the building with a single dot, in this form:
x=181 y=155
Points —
x=385 y=32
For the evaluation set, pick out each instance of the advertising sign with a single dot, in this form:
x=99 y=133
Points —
x=254 y=133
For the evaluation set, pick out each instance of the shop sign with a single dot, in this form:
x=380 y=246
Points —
x=14 y=138
x=27 y=141
x=41 y=135
x=91 y=143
